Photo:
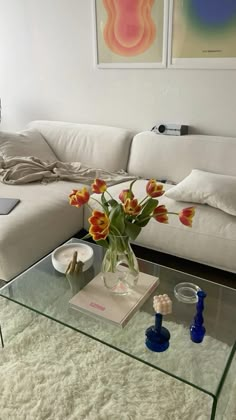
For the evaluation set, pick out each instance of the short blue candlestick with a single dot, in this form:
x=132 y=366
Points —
x=157 y=337
x=197 y=329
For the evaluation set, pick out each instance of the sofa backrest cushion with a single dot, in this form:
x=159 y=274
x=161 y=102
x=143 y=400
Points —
x=25 y=143
x=173 y=157
x=94 y=145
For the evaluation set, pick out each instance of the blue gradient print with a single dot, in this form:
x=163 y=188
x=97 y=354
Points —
x=212 y=14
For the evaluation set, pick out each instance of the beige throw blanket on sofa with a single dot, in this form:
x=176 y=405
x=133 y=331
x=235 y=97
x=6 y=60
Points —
x=24 y=170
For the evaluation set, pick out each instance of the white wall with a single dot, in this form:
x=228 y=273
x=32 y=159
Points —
x=47 y=72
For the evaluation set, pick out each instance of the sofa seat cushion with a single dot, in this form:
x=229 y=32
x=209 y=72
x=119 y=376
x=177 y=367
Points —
x=97 y=146
x=211 y=240
x=25 y=143
x=40 y=222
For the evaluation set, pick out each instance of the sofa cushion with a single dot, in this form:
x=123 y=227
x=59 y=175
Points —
x=207 y=188
x=211 y=240
x=94 y=145
x=41 y=221
x=25 y=143
x=173 y=157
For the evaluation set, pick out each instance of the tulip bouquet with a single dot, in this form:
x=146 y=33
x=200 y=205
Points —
x=120 y=220
x=127 y=216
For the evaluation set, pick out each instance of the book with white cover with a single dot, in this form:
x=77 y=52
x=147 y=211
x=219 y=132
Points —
x=96 y=300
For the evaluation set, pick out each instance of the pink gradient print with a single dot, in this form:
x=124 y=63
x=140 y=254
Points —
x=129 y=29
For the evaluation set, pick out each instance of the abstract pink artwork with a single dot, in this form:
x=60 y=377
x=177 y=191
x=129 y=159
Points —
x=130 y=29
x=131 y=33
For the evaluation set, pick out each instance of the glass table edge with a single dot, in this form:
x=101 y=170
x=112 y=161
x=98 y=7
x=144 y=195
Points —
x=139 y=259
x=228 y=361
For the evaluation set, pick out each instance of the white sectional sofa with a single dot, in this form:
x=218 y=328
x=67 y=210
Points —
x=44 y=219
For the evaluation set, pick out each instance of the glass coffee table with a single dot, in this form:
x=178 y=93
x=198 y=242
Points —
x=209 y=367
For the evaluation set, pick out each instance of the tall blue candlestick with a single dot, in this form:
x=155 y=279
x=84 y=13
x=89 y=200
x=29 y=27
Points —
x=197 y=329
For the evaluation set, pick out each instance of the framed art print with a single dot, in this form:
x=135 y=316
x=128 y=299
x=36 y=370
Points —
x=202 y=34
x=131 y=33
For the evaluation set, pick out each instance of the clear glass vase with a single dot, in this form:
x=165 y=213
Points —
x=120 y=269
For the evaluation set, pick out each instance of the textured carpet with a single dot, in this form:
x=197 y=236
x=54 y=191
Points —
x=49 y=372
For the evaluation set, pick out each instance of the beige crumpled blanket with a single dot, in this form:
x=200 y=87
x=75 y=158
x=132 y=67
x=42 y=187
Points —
x=24 y=170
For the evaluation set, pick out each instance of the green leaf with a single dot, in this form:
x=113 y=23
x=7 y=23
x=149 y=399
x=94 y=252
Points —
x=131 y=185
x=117 y=219
x=132 y=230
x=143 y=219
x=104 y=204
x=148 y=208
x=103 y=243
x=86 y=236
x=112 y=202
x=141 y=222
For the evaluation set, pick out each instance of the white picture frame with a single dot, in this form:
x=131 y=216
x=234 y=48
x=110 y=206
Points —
x=152 y=57
x=176 y=25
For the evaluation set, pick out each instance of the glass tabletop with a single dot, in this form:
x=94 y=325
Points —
x=44 y=290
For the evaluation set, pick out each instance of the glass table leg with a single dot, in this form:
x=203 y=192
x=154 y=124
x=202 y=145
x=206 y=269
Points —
x=1 y=337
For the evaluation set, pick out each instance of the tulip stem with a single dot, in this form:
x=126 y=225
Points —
x=90 y=208
x=143 y=199
x=144 y=219
x=109 y=194
x=117 y=231
x=98 y=202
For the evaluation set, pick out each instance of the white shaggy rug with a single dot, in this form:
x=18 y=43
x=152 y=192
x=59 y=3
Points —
x=49 y=372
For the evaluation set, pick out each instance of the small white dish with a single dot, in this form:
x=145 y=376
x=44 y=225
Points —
x=186 y=292
x=62 y=256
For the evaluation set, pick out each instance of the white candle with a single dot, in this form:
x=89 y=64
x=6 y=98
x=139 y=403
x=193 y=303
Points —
x=65 y=255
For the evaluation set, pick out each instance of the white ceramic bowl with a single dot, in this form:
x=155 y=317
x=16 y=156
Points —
x=63 y=255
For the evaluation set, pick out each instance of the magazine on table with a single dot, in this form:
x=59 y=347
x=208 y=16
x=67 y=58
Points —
x=97 y=301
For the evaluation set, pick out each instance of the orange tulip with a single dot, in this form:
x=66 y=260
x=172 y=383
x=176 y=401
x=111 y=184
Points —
x=153 y=189
x=96 y=234
x=78 y=198
x=99 y=228
x=132 y=207
x=99 y=186
x=125 y=194
x=160 y=214
x=186 y=216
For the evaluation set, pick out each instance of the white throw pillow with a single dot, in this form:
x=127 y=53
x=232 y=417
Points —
x=25 y=143
x=207 y=188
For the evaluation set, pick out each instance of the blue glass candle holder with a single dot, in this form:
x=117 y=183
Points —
x=157 y=337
